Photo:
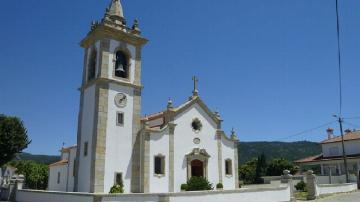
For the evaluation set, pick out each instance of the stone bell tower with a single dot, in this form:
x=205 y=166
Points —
x=110 y=103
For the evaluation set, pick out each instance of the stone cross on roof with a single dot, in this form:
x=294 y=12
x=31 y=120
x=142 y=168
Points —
x=195 y=91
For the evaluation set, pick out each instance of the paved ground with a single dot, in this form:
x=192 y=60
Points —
x=349 y=197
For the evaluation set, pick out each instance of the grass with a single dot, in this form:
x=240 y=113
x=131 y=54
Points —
x=301 y=195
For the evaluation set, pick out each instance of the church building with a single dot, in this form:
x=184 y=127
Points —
x=152 y=154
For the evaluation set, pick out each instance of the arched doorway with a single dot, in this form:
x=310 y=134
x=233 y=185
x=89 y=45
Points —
x=197 y=168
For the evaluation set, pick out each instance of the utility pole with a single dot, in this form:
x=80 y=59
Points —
x=340 y=119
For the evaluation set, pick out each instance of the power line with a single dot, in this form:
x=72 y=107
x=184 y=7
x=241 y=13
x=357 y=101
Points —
x=351 y=124
x=307 y=130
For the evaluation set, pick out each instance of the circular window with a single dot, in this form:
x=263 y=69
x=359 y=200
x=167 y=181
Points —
x=196 y=125
x=196 y=141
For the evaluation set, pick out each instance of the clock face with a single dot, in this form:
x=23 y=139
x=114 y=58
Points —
x=120 y=100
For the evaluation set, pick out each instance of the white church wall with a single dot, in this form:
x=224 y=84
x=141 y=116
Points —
x=118 y=140
x=159 y=145
x=86 y=136
x=184 y=144
x=54 y=171
x=113 y=47
x=71 y=166
x=228 y=153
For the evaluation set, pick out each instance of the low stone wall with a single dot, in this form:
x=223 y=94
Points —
x=335 y=188
x=282 y=193
x=336 y=179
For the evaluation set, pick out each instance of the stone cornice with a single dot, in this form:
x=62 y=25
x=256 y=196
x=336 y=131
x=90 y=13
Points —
x=221 y=134
x=106 y=80
x=103 y=31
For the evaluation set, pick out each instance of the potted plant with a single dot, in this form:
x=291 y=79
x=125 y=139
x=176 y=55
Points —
x=219 y=186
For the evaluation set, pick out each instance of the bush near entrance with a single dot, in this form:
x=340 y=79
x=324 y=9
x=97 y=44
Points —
x=198 y=184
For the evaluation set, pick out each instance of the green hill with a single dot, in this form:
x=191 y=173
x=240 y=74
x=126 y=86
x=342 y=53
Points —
x=288 y=150
x=45 y=159
x=247 y=150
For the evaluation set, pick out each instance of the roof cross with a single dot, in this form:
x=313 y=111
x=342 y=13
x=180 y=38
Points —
x=196 y=81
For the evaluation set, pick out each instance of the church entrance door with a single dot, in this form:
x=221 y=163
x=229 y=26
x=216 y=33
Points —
x=197 y=168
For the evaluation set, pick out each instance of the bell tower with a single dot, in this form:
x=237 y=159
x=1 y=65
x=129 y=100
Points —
x=110 y=103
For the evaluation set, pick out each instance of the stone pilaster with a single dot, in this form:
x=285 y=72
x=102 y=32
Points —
x=103 y=71
x=136 y=153
x=78 y=148
x=98 y=146
x=236 y=164
x=171 y=156
x=146 y=162
x=137 y=79
x=219 y=151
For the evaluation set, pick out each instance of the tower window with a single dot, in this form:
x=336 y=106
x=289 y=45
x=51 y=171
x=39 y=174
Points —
x=159 y=165
x=86 y=145
x=118 y=179
x=58 y=178
x=92 y=65
x=121 y=65
x=228 y=167
x=119 y=119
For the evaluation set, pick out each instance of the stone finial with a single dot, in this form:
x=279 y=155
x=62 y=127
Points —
x=170 y=104
x=195 y=89
x=233 y=135
x=115 y=9
x=135 y=27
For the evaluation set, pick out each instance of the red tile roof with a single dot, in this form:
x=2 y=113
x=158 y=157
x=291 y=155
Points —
x=153 y=116
x=320 y=157
x=59 y=163
x=354 y=135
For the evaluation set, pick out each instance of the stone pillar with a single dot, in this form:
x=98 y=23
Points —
x=311 y=185
x=287 y=178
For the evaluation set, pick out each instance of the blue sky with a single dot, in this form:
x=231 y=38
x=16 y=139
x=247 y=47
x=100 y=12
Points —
x=269 y=67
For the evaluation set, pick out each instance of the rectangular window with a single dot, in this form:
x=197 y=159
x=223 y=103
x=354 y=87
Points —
x=58 y=178
x=74 y=168
x=86 y=145
x=118 y=179
x=159 y=165
x=119 y=119
x=228 y=167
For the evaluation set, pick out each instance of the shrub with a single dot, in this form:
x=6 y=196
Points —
x=184 y=187
x=219 y=186
x=117 y=189
x=301 y=186
x=198 y=183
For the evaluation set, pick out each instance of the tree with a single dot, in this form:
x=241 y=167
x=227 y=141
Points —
x=260 y=170
x=13 y=138
x=247 y=171
x=36 y=174
x=277 y=166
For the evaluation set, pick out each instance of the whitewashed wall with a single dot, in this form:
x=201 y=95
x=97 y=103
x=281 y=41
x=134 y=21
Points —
x=53 y=176
x=228 y=153
x=159 y=144
x=71 y=166
x=334 y=179
x=351 y=147
x=335 y=188
x=118 y=139
x=86 y=136
x=184 y=144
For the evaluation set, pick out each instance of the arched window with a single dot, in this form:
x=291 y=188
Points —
x=92 y=65
x=121 y=65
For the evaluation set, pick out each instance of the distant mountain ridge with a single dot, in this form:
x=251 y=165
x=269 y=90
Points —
x=247 y=150
x=289 y=150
